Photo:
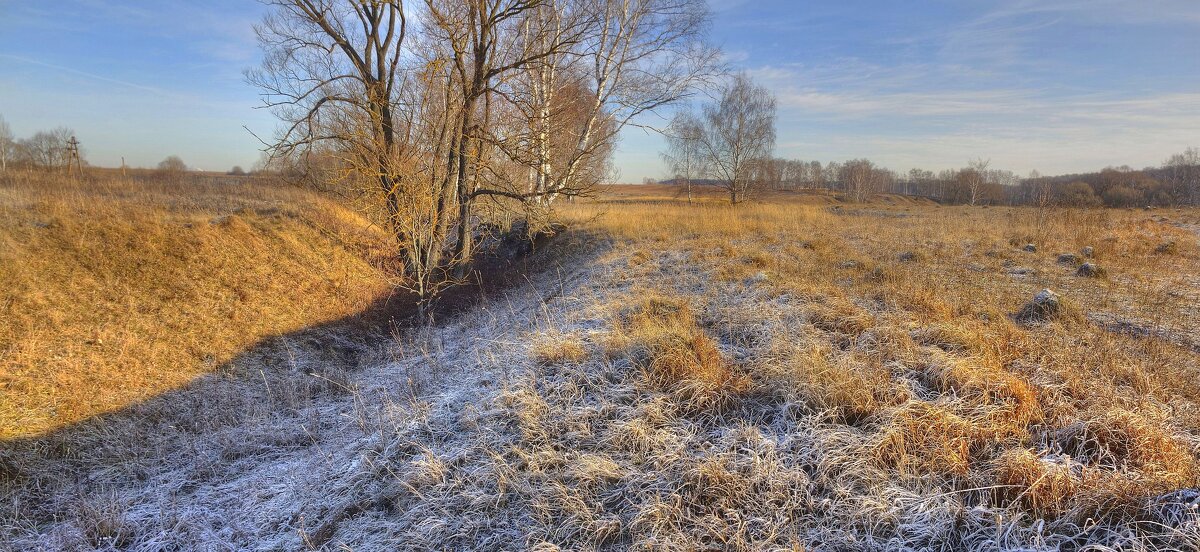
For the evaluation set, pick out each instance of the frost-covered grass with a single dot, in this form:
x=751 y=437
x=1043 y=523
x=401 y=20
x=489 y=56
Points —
x=767 y=377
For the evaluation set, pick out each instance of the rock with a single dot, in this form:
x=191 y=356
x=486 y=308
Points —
x=757 y=278
x=1030 y=248
x=1021 y=271
x=1067 y=258
x=907 y=257
x=850 y=264
x=1088 y=252
x=1044 y=306
x=1168 y=248
x=1089 y=270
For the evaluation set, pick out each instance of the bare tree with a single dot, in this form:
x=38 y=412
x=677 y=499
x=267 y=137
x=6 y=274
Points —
x=357 y=122
x=46 y=149
x=832 y=175
x=974 y=178
x=861 y=179
x=172 y=165
x=424 y=126
x=738 y=130
x=1183 y=175
x=793 y=173
x=920 y=181
x=627 y=58
x=765 y=174
x=6 y=144
x=816 y=175
x=685 y=154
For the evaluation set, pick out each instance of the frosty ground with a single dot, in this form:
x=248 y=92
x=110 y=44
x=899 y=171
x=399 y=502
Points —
x=771 y=378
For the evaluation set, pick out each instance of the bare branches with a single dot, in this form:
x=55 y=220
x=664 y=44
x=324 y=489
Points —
x=516 y=101
x=737 y=131
x=685 y=152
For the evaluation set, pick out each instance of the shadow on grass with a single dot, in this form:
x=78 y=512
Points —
x=257 y=404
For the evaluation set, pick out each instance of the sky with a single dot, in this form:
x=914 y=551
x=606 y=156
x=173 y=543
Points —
x=1058 y=86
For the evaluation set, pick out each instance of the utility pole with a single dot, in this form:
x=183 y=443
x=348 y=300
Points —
x=73 y=160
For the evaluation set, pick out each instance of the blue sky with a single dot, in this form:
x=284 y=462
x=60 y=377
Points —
x=1053 y=85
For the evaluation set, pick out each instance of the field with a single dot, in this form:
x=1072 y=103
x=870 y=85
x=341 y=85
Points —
x=796 y=373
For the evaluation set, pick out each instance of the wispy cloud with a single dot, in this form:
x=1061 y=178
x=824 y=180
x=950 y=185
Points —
x=93 y=76
x=1058 y=85
x=1105 y=11
x=1019 y=129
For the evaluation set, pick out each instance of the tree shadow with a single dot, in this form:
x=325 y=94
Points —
x=252 y=404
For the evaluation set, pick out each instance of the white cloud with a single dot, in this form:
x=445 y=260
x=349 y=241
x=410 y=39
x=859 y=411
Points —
x=910 y=115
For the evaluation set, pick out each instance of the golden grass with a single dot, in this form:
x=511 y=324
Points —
x=1044 y=487
x=117 y=290
x=850 y=389
x=676 y=354
x=922 y=439
x=778 y=376
x=944 y=317
x=556 y=349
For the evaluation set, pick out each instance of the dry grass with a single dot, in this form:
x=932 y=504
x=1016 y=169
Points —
x=676 y=354
x=117 y=290
x=558 y=349
x=770 y=377
x=1085 y=414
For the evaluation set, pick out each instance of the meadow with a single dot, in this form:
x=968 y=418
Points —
x=794 y=373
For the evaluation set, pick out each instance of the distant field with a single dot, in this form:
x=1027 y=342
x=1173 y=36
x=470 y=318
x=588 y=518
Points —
x=791 y=374
x=118 y=289
x=652 y=193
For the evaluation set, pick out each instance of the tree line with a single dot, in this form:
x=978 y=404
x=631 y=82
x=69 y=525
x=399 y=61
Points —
x=45 y=149
x=1175 y=182
x=48 y=150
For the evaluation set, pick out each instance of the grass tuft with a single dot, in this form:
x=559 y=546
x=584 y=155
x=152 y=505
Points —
x=676 y=354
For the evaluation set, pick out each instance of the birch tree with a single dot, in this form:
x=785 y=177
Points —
x=738 y=130
x=861 y=179
x=634 y=56
x=685 y=154
x=420 y=124
x=6 y=144
x=975 y=179
x=1183 y=175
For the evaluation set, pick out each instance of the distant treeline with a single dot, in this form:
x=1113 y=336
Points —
x=50 y=150
x=1175 y=182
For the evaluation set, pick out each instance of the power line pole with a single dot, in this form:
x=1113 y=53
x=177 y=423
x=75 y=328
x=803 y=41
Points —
x=73 y=160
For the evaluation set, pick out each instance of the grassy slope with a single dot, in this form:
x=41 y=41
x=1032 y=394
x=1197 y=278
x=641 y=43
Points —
x=115 y=291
